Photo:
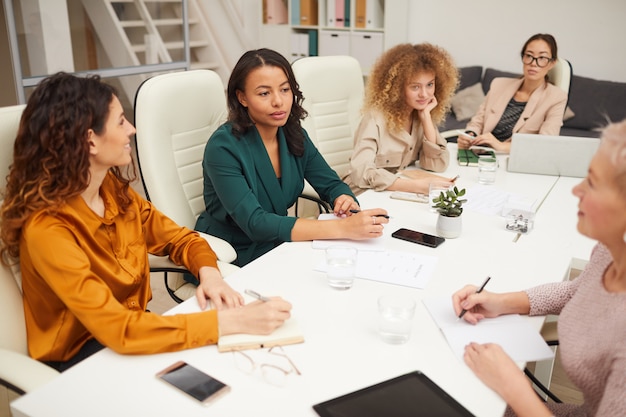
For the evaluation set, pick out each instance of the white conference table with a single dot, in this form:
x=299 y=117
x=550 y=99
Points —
x=342 y=351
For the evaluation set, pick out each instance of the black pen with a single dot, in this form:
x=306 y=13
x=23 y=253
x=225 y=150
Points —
x=482 y=287
x=256 y=295
x=354 y=211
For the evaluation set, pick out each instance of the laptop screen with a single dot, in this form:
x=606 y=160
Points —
x=566 y=156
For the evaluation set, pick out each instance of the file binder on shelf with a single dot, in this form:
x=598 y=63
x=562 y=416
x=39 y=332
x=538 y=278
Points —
x=308 y=12
x=340 y=13
x=346 y=13
x=274 y=12
x=295 y=12
x=299 y=45
x=312 y=42
x=369 y=14
x=331 y=14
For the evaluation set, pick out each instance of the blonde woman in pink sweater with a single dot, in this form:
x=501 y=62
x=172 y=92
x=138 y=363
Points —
x=592 y=308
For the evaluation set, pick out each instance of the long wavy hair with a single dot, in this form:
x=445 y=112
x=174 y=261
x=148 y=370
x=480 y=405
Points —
x=238 y=114
x=51 y=152
x=394 y=69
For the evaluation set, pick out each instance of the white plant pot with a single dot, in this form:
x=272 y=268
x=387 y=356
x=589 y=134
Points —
x=449 y=227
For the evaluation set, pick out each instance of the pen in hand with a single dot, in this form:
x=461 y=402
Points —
x=479 y=290
x=256 y=295
x=354 y=211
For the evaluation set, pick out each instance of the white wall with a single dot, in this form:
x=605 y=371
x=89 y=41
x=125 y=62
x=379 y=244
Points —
x=590 y=33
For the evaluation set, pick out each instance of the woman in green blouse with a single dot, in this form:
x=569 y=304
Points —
x=256 y=163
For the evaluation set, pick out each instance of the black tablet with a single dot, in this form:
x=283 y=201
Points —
x=409 y=395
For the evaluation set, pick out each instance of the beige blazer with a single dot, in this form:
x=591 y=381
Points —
x=379 y=154
x=543 y=113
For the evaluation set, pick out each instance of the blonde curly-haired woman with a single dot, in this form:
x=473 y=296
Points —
x=407 y=95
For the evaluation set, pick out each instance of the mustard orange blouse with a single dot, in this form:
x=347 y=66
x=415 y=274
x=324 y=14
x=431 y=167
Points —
x=86 y=276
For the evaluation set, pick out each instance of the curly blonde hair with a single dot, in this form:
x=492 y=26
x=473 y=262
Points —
x=394 y=69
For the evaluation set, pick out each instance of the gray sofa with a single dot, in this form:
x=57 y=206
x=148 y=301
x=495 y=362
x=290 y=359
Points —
x=593 y=102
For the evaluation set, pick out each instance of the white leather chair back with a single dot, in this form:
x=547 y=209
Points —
x=12 y=324
x=13 y=333
x=333 y=96
x=9 y=122
x=175 y=114
x=561 y=74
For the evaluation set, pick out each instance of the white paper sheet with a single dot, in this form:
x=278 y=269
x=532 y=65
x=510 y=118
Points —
x=489 y=200
x=375 y=244
x=515 y=334
x=393 y=267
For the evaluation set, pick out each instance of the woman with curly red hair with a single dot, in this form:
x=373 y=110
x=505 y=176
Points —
x=407 y=96
x=83 y=235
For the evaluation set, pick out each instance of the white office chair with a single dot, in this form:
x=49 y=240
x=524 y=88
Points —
x=18 y=372
x=333 y=96
x=175 y=114
x=561 y=74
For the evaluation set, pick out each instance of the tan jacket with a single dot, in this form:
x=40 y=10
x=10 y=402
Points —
x=543 y=113
x=379 y=154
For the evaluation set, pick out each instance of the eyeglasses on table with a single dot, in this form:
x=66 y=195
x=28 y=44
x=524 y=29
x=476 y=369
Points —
x=271 y=372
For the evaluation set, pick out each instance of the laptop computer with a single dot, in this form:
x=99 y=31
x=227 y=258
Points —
x=566 y=156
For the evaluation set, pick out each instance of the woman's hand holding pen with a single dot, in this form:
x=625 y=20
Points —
x=477 y=305
x=257 y=317
x=482 y=304
x=365 y=224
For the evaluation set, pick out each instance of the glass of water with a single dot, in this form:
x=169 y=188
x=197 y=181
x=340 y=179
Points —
x=340 y=264
x=487 y=166
x=395 y=318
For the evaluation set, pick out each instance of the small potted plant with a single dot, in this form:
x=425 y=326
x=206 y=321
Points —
x=449 y=205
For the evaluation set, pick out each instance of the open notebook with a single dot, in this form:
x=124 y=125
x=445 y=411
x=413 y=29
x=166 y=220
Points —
x=287 y=334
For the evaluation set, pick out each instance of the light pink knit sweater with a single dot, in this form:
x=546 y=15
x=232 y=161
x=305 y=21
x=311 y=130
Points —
x=592 y=337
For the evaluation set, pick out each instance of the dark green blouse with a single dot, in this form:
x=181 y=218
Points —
x=245 y=204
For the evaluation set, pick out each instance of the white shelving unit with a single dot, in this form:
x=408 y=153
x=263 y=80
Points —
x=362 y=36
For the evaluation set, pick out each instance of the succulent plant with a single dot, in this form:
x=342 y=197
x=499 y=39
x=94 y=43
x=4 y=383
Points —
x=449 y=203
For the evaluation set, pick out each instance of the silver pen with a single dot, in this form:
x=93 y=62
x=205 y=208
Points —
x=256 y=295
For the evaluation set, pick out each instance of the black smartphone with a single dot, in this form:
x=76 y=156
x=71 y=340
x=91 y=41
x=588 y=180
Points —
x=418 y=237
x=480 y=151
x=193 y=382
